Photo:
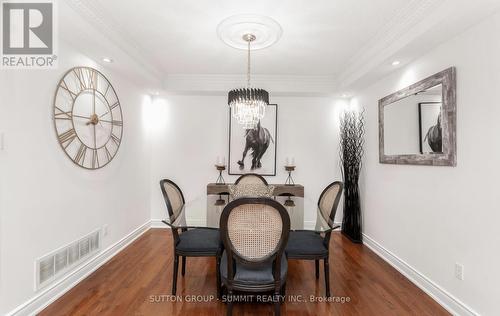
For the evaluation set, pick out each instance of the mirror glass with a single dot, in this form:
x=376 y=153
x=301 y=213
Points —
x=412 y=125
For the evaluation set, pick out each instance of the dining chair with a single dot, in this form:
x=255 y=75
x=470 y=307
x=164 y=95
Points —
x=250 y=185
x=250 y=190
x=194 y=242
x=310 y=245
x=254 y=232
x=251 y=178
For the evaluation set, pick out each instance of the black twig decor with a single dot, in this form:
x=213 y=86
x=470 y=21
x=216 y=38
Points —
x=352 y=132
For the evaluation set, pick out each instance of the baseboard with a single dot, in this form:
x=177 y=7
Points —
x=445 y=299
x=48 y=295
x=309 y=224
x=157 y=223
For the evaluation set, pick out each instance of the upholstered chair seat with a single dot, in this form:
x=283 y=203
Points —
x=310 y=245
x=306 y=243
x=199 y=240
x=249 y=273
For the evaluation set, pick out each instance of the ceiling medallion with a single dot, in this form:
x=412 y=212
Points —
x=266 y=31
x=248 y=105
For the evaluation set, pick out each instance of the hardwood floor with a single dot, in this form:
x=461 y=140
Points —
x=138 y=282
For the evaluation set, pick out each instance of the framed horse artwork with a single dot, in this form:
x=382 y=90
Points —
x=429 y=127
x=254 y=150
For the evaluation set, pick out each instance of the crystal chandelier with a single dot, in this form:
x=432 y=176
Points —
x=248 y=105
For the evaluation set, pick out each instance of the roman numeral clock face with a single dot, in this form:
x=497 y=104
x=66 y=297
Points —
x=87 y=118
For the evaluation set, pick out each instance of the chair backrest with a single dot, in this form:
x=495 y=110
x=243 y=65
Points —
x=329 y=200
x=251 y=178
x=174 y=199
x=254 y=231
x=250 y=190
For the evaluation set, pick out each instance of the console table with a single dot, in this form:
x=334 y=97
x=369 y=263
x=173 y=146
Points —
x=279 y=189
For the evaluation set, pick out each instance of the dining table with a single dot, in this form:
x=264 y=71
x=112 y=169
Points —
x=205 y=211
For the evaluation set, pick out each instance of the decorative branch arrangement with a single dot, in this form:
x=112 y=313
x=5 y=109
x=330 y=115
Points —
x=352 y=132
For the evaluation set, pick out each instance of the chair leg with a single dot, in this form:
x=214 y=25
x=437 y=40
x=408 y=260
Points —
x=230 y=302
x=327 y=277
x=277 y=304
x=316 y=263
x=183 y=271
x=217 y=276
x=283 y=289
x=174 y=279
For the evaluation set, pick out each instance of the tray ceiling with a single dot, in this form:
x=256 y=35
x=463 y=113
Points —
x=343 y=39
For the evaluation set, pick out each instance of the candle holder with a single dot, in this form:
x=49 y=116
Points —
x=289 y=202
x=220 y=179
x=220 y=201
x=289 y=180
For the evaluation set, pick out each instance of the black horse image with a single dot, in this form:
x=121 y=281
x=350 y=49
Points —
x=258 y=140
x=434 y=137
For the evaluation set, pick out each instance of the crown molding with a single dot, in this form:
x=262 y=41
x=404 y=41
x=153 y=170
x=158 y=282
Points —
x=410 y=22
x=218 y=84
x=95 y=14
x=407 y=25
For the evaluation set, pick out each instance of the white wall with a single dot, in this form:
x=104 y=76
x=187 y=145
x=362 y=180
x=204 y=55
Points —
x=195 y=132
x=45 y=200
x=432 y=217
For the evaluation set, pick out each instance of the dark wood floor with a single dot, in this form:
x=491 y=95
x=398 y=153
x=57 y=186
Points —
x=138 y=282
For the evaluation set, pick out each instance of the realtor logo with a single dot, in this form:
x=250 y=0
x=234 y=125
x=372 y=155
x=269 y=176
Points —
x=28 y=34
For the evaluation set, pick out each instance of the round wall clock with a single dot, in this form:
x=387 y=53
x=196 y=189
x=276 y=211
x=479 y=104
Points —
x=87 y=117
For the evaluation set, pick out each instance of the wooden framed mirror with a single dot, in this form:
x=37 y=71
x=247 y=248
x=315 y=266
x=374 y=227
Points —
x=417 y=124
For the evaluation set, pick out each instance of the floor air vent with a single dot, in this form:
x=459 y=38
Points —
x=54 y=265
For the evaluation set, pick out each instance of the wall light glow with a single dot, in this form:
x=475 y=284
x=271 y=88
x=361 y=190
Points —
x=154 y=114
x=354 y=105
x=339 y=106
x=409 y=77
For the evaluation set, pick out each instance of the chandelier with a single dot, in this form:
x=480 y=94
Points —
x=248 y=105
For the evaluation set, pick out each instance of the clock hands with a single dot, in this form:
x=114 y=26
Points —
x=106 y=121
x=93 y=119
x=95 y=137
x=79 y=116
